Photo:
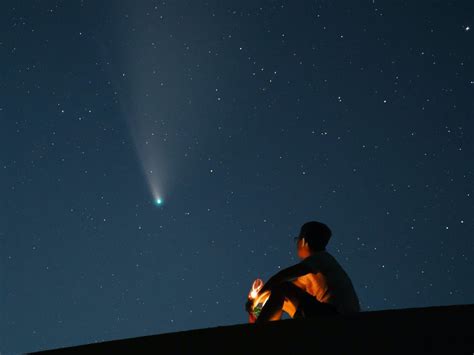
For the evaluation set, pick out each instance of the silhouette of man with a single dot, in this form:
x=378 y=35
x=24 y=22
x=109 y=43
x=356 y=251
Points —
x=318 y=285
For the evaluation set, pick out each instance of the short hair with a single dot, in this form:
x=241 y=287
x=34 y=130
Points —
x=316 y=234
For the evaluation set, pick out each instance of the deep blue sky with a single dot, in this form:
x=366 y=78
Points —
x=271 y=113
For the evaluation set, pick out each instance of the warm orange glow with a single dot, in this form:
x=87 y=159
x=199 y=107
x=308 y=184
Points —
x=260 y=300
x=256 y=286
x=253 y=294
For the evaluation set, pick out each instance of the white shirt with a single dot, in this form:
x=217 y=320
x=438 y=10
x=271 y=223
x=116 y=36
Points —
x=329 y=283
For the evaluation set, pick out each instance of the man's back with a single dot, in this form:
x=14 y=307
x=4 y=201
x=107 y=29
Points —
x=329 y=283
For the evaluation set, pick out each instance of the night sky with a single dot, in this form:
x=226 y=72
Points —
x=247 y=118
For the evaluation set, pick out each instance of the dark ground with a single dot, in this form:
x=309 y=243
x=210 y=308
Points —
x=443 y=329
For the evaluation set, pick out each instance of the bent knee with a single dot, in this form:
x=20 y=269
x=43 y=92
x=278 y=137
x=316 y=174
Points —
x=283 y=288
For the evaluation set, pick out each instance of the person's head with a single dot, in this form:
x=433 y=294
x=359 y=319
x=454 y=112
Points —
x=313 y=237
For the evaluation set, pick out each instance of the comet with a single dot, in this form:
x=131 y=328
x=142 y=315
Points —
x=147 y=109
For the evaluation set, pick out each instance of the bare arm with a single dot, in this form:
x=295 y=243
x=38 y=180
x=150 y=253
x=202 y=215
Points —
x=289 y=274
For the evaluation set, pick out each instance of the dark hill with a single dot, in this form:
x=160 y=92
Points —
x=445 y=330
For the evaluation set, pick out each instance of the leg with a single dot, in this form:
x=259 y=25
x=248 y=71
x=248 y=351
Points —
x=273 y=309
x=311 y=307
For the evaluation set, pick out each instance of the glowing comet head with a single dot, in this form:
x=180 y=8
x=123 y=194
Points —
x=158 y=201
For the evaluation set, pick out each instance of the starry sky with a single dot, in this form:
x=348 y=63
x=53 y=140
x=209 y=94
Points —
x=248 y=118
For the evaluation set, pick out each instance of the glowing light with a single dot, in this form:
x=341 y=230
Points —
x=253 y=294
x=256 y=286
x=158 y=201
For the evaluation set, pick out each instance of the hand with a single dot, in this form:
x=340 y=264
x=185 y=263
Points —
x=263 y=290
x=267 y=286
